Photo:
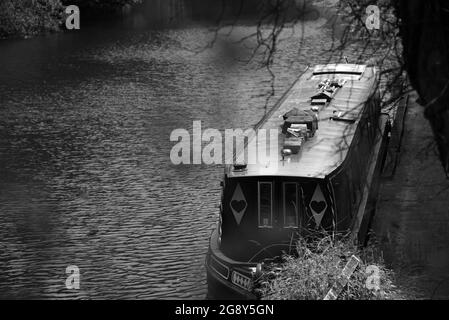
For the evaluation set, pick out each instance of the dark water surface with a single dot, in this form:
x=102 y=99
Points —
x=85 y=173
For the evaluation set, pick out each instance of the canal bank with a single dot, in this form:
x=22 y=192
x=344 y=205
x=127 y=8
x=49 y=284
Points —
x=412 y=218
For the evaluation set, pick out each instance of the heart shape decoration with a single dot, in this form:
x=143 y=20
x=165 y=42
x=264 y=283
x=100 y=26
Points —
x=318 y=206
x=238 y=205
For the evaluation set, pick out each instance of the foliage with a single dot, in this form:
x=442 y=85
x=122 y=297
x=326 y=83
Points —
x=29 y=17
x=317 y=267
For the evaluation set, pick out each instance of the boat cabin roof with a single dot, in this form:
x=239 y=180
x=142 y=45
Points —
x=338 y=118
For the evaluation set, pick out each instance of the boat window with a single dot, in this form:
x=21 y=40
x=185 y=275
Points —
x=265 y=204
x=290 y=205
x=342 y=193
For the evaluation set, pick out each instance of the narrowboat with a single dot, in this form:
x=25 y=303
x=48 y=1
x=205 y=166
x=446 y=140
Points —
x=332 y=143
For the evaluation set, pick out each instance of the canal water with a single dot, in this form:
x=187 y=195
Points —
x=85 y=173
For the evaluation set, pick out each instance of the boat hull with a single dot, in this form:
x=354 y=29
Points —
x=219 y=272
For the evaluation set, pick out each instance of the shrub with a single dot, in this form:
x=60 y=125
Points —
x=317 y=266
x=29 y=17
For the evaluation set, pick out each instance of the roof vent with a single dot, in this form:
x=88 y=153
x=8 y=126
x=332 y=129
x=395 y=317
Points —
x=341 y=68
x=240 y=167
x=342 y=116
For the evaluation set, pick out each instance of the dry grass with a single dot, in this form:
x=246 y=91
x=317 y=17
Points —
x=317 y=267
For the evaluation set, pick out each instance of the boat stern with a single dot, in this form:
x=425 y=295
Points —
x=228 y=279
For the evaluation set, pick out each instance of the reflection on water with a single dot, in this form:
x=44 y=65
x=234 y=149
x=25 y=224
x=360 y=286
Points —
x=85 y=174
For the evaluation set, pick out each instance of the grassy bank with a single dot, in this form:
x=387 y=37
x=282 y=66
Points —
x=317 y=267
x=24 y=18
x=20 y=18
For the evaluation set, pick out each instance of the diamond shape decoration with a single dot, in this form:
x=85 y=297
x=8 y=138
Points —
x=318 y=205
x=238 y=204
